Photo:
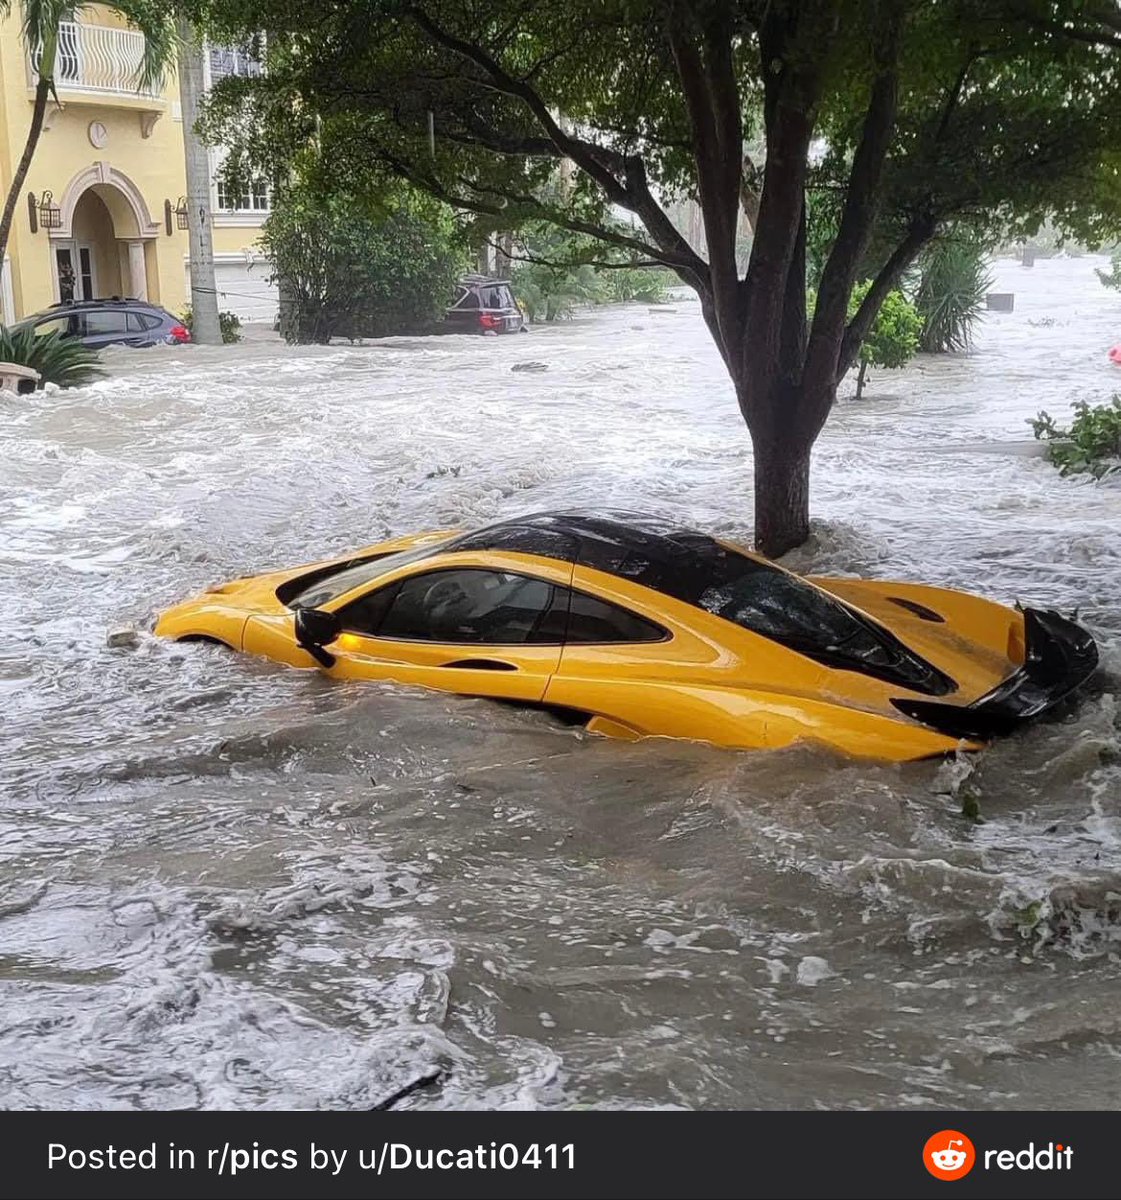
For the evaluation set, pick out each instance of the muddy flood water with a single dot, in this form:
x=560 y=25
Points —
x=232 y=884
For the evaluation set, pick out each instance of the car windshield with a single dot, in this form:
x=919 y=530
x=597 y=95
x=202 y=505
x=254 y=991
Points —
x=786 y=609
x=323 y=588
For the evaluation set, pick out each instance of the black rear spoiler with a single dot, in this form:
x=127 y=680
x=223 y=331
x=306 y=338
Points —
x=1059 y=657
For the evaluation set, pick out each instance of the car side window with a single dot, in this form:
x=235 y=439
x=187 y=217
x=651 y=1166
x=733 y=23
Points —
x=105 y=320
x=593 y=621
x=365 y=615
x=60 y=325
x=469 y=605
x=495 y=607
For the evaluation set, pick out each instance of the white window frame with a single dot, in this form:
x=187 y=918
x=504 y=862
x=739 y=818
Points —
x=250 y=213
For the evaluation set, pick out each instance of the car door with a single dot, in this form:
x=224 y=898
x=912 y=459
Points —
x=105 y=327
x=463 y=314
x=640 y=664
x=473 y=630
x=140 y=326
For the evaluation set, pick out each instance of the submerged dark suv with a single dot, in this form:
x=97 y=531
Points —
x=98 y=323
x=484 y=305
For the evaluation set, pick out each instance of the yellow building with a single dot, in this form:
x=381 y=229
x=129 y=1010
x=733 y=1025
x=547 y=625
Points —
x=111 y=160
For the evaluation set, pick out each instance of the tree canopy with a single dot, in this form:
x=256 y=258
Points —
x=900 y=115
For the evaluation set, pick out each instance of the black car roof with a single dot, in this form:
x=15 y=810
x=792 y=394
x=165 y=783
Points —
x=651 y=551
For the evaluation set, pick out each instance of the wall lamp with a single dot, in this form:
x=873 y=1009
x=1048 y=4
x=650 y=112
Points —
x=43 y=212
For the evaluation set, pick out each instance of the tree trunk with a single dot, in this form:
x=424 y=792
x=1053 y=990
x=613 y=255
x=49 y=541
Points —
x=860 y=377
x=205 y=327
x=38 y=112
x=504 y=255
x=288 y=310
x=782 y=494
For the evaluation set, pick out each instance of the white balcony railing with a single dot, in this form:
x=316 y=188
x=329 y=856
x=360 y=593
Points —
x=98 y=58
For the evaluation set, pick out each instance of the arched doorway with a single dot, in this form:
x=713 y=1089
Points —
x=90 y=266
x=105 y=245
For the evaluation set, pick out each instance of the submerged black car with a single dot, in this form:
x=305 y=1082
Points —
x=114 y=321
x=484 y=305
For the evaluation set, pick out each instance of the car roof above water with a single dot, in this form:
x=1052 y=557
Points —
x=651 y=551
x=105 y=301
x=62 y=307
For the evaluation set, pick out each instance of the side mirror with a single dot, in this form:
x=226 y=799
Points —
x=316 y=629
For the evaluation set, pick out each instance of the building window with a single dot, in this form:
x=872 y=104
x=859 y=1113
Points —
x=233 y=60
x=255 y=198
x=240 y=62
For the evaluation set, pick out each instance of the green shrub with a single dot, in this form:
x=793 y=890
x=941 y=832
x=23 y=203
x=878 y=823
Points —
x=228 y=322
x=550 y=294
x=59 y=360
x=1112 y=277
x=1091 y=445
x=951 y=294
x=894 y=337
x=647 y=285
x=553 y=279
x=352 y=270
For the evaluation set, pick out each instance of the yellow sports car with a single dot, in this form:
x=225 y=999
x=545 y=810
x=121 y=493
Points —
x=642 y=628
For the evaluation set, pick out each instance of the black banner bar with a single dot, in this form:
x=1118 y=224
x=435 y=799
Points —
x=546 y=1154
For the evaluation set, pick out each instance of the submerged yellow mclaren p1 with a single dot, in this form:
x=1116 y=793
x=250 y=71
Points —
x=642 y=628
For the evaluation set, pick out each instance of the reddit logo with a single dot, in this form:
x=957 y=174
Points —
x=948 y=1155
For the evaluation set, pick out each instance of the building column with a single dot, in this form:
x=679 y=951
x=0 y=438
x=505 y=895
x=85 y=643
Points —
x=137 y=271
x=7 y=297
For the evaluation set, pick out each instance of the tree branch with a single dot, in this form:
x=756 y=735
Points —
x=590 y=157
x=792 y=89
x=661 y=228
x=554 y=265
x=636 y=135
x=859 y=211
x=921 y=231
x=749 y=191
x=708 y=84
x=954 y=96
x=712 y=99
x=1092 y=37
x=631 y=192
x=488 y=138
x=498 y=208
x=600 y=232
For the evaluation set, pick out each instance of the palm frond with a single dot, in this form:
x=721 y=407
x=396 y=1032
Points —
x=41 y=17
x=161 y=37
x=152 y=18
x=64 y=361
x=951 y=294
